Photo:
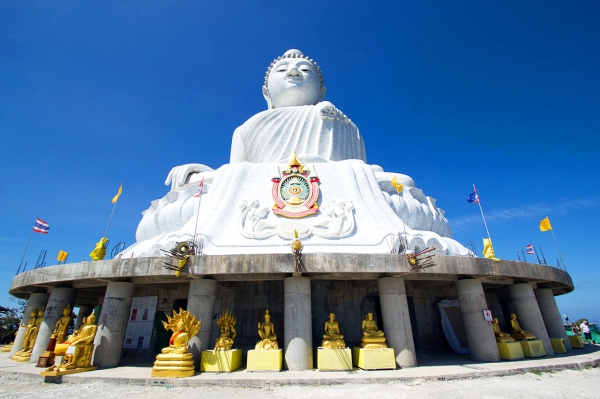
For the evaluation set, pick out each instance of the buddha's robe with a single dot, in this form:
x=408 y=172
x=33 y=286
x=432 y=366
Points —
x=318 y=133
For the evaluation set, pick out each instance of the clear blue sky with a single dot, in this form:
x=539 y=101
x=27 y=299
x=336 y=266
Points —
x=502 y=94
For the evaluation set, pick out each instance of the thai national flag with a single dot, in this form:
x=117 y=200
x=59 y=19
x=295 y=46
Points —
x=200 y=188
x=473 y=197
x=529 y=249
x=41 y=226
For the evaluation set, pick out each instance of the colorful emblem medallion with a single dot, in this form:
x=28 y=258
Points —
x=295 y=192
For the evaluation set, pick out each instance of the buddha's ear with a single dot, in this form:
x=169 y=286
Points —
x=322 y=96
x=265 y=91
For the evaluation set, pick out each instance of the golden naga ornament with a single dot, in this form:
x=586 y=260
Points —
x=33 y=327
x=372 y=337
x=333 y=338
x=266 y=332
x=295 y=192
x=175 y=361
x=501 y=337
x=517 y=332
x=226 y=323
x=77 y=350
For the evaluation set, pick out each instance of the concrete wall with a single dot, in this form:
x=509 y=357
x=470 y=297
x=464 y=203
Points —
x=494 y=304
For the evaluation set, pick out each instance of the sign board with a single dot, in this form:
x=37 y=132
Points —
x=141 y=322
x=487 y=315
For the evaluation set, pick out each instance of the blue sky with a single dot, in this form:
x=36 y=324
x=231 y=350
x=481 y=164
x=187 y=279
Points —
x=501 y=94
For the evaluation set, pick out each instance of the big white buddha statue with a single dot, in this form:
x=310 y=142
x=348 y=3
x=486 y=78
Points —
x=359 y=209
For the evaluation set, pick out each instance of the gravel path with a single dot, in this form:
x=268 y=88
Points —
x=562 y=384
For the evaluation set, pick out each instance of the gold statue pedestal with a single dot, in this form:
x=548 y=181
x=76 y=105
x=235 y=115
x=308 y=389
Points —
x=21 y=356
x=558 y=345
x=7 y=348
x=334 y=359
x=173 y=365
x=57 y=373
x=576 y=342
x=221 y=361
x=523 y=337
x=374 y=359
x=510 y=350
x=533 y=348
x=265 y=360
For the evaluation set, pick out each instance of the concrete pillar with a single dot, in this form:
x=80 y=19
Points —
x=551 y=315
x=480 y=334
x=528 y=313
x=201 y=303
x=297 y=330
x=396 y=320
x=59 y=298
x=84 y=311
x=112 y=324
x=36 y=301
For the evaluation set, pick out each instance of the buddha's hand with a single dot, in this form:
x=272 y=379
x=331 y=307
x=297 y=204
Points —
x=179 y=174
x=330 y=113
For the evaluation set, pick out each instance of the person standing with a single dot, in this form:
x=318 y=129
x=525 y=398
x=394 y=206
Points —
x=585 y=329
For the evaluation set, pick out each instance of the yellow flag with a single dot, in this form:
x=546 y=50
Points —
x=488 y=250
x=62 y=256
x=545 y=224
x=116 y=198
x=398 y=186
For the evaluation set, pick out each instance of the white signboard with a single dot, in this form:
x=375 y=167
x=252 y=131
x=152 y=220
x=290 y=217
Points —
x=487 y=314
x=140 y=324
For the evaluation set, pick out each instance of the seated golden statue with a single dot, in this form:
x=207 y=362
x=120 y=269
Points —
x=501 y=337
x=78 y=355
x=226 y=323
x=33 y=326
x=175 y=361
x=266 y=332
x=517 y=331
x=333 y=338
x=372 y=337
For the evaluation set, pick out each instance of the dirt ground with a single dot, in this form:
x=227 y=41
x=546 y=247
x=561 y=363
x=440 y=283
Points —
x=562 y=384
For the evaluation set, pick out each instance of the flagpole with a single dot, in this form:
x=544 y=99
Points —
x=482 y=215
x=113 y=211
x=24 y=252
x=556 y=242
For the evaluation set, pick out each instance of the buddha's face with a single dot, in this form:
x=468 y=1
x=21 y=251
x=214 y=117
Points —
x=267 y=318
x=369 y=316
x=332 y=316
x=292 y=82
x=180 y=325
x=91 y=319
x=33 y=313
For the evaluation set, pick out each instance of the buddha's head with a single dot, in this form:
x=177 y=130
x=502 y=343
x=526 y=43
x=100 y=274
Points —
x=67 y=310
x=293 y=80
x=267 y=316
x=513 y=316
x=495 y=320
x=332 y=316
x=91 y=319
x=369 y=316
x=41 y=312
x=180 y=325
x=33 y=312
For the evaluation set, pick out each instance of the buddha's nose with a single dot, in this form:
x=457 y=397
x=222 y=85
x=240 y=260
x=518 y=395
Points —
x=293 y=73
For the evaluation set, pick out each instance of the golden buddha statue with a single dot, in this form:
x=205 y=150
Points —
x=63 y=324
x=372 y=337
x=7 y=347
x=78 y=353
x=517 y=331
x=266 y=332
x=226 y=323
x=333 y=338
x=33 y=327
x=501 y=337
x=175 y=361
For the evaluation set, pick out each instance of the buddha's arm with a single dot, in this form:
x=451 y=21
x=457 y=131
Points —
x=238 y=151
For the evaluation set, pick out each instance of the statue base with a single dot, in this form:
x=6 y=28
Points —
x=221 y=361
x=333 y=344
x=57 y=373
x=334 y=359
x=523 y=337
x=576 y=342
x=173 y=365
x=374 y=359
x=510 y=350
x=46 y=359
x=7 y=348
x=533 y=348
x=21 y=357
x=558 y=345
x=267 y=360
x=503 y=340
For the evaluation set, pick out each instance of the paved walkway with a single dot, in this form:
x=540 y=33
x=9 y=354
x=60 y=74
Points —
x=436 y=368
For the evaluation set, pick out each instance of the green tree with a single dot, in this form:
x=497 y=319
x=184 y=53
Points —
x=10 y=320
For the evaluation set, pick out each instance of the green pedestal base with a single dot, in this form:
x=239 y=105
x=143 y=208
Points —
x=221 y=361
x=334 y=359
